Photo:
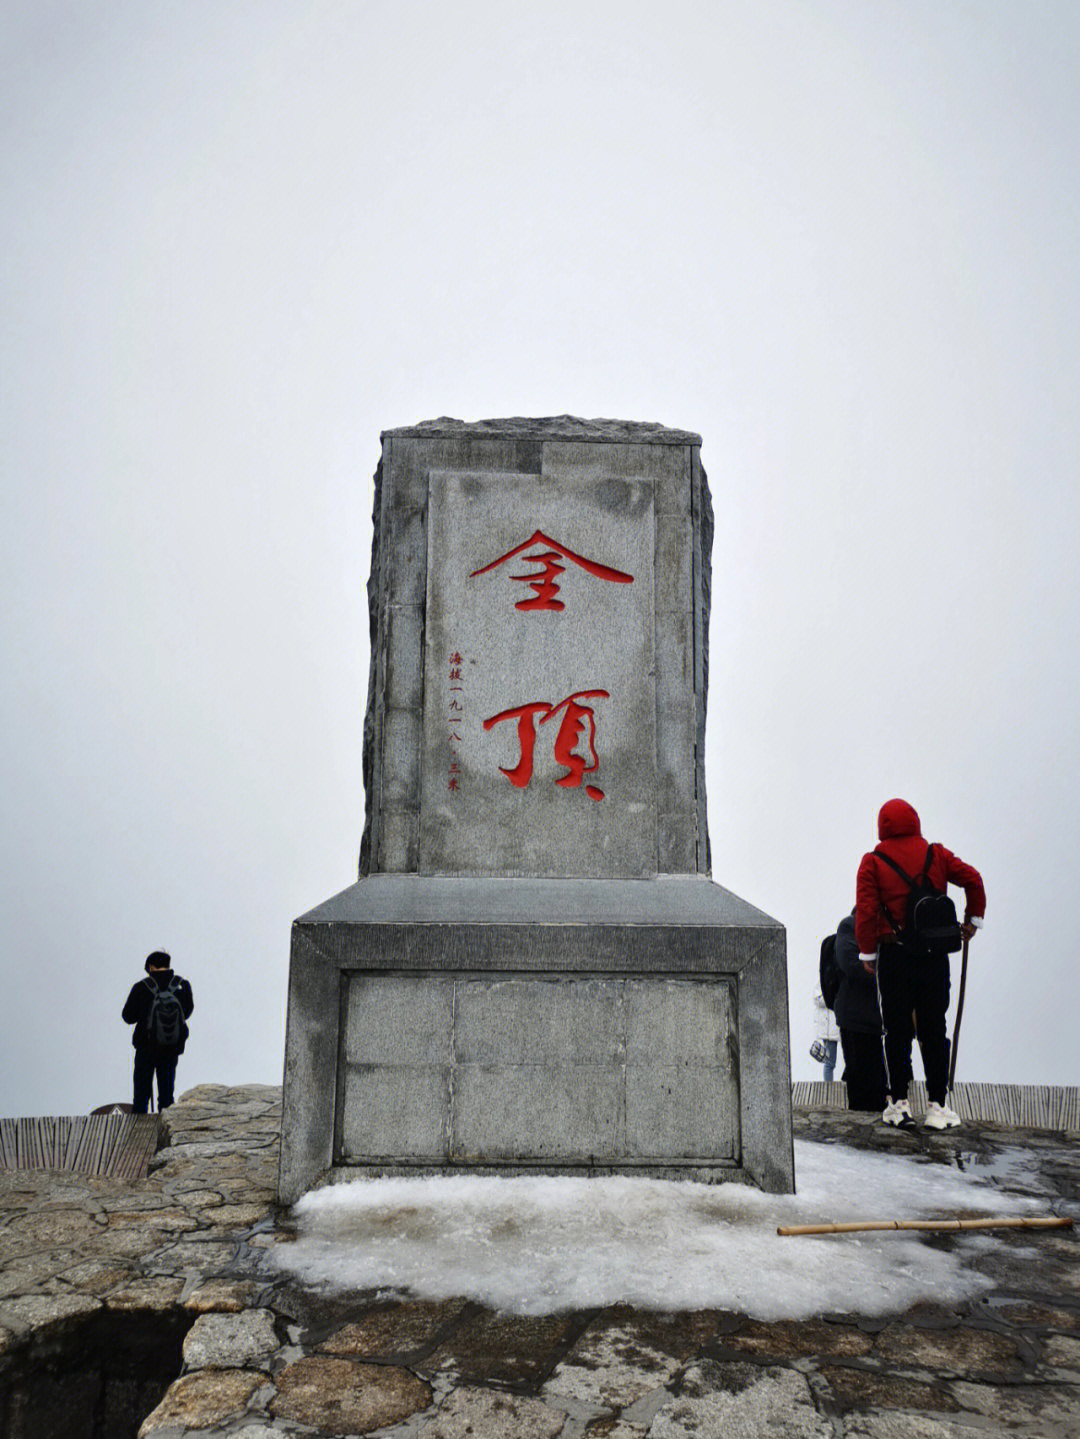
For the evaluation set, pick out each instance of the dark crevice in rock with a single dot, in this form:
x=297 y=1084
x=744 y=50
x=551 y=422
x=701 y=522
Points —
x=95 y=1377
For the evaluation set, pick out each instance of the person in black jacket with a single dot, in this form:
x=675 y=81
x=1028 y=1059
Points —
x=859 y=1018
x=155 y=1054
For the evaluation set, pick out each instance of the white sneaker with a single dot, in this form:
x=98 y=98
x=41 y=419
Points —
x=899 y=1114
x=940 y=1116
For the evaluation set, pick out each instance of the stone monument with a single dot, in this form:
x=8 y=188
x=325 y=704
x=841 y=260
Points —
x=534 y=972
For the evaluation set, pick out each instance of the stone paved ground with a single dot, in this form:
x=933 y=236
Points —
x=263 y=1357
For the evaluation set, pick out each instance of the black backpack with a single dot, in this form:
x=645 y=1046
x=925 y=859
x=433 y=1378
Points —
x=165 y=1021
x=930 y=923
x=829 y=972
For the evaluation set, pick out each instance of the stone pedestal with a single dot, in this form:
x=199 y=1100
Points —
x=534 y=971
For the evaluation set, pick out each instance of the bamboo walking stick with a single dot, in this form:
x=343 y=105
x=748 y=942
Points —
x=959 y=1015
x=939 y=1224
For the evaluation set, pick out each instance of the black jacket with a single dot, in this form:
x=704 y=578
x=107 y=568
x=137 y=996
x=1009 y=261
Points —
x=856 y=1005
x=137 y=1009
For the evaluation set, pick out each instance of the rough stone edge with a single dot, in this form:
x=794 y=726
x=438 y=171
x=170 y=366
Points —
x=703 y=531
x=311 y=1055
x=550 y=427
x=373 y=590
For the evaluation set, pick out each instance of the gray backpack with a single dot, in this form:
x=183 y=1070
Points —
x=165 y=1022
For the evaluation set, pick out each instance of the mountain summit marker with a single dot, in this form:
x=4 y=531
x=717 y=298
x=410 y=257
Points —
x=534 y=971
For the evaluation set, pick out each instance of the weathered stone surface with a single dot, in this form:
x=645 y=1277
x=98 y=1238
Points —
x=224 y=1296
x=1011 y=1263
x=1062 y=1353
x=319 y=1312
x=1021 y=1332
x=789 y=1339
x=401 y=1331
x=236 y=1216
x=343 y=1397
x=864 y=1389
x=199 y=1401
x=682 y=1334
x=964 y=1352
x=150 y=1295
x=482 y=1412
x=608 y=1368
x=599 y=649
x=608 y=1427
x=202 y=1251
x=168 y=1221
x=741 y=1401
x=905 y=1426
x=52 y=1229
x=1039 y=1316
x=204 y=1149
x=503 y=1348
x=127 y=1241
x=197 y=1198
x=553 y=427
x=231 y=1341
x=684 y=934
x=1050 y=1409
x=24 y=1273
x=32 y=1311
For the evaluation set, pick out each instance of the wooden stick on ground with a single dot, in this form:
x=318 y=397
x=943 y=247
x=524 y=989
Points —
x=942 y=1224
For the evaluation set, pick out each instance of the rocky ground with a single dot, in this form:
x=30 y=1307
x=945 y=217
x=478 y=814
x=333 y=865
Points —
x=181 y=1257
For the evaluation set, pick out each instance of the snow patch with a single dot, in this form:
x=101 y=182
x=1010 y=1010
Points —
x=538 y=1245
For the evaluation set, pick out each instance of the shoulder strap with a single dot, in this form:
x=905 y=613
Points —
x=896 y=929
x=893 y=865
x=903 y=873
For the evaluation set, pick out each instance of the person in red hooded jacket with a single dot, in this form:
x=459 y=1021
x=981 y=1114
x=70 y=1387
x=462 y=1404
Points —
x=913 y=987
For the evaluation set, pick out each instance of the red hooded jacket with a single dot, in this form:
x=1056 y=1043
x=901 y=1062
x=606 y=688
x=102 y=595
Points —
x=878 y=884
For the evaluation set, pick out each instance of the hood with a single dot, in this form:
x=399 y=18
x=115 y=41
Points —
x=897 y=819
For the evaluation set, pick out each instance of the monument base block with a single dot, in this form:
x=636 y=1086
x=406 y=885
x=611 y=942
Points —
x=529 y=1025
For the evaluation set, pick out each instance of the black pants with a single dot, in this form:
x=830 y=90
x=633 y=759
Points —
x=864 y=1070
x=148 y=1063
x=914 y=996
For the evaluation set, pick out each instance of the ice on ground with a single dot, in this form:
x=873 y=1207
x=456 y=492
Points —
x=538 y=1245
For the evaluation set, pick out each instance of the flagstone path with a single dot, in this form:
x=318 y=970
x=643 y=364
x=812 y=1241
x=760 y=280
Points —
x=186 y=1247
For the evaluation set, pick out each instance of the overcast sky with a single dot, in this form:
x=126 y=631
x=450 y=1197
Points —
x=838 y=238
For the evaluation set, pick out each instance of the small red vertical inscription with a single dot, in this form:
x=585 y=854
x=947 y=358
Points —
x=456 y=718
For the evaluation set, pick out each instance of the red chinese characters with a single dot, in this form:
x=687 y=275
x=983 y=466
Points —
x=578 y=727
x=543 y=580
x=455 y=717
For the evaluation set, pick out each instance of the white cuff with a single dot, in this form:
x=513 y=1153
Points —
x=976 y=920
x=868 y=958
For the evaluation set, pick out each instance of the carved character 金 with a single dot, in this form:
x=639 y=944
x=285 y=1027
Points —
x=578 y=721
x=543 y=581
